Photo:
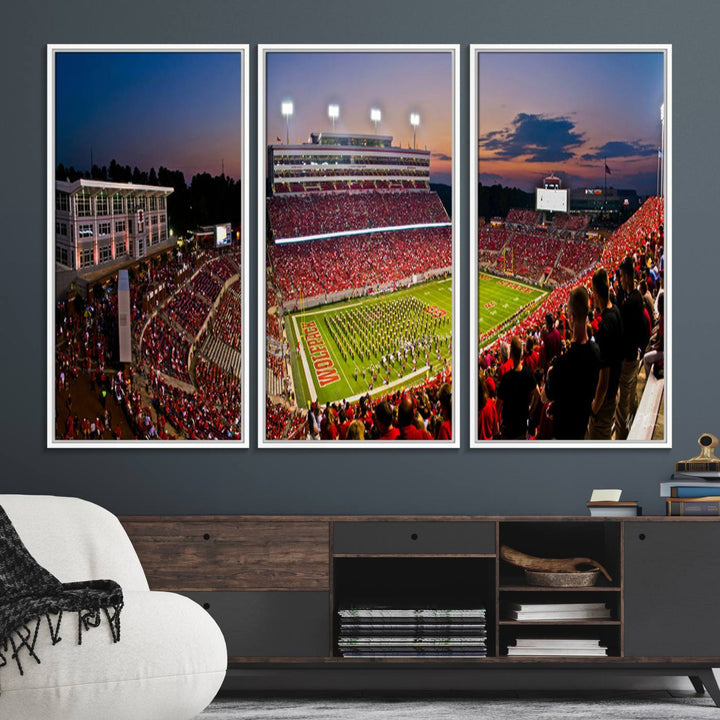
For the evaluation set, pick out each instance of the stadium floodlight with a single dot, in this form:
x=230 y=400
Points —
x=414 y=121
x=287 y=110
x=376 y=117
x=333 y=114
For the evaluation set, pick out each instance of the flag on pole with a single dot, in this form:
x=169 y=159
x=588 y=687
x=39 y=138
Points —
x=279 y=139
x=607 y=169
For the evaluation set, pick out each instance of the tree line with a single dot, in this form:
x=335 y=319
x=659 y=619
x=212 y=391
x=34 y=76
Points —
x=207 y=200
x=497 y=200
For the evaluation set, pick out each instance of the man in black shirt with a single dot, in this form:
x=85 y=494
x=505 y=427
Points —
x=516 y=392
x=634 y=338
x=609 y=340
x=573 y=377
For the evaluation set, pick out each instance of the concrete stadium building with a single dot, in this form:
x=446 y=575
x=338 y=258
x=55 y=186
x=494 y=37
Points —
x=98 y=223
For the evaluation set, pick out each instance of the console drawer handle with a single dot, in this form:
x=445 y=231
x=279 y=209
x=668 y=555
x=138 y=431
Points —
x=414 y=536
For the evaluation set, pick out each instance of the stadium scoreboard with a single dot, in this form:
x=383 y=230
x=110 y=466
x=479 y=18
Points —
x=551 y=199
x=223 y=235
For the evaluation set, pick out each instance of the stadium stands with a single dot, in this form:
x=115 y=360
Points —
x=359 y=261
x=291 y=216
x=641 y=237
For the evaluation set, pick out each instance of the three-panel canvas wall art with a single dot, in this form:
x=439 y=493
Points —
x=372 y=214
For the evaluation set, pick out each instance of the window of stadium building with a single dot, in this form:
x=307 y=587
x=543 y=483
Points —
x=161 y=203
x=61 y=255
x=62 y=201
x=119 y=226
x=86 y=257
x=60 y=228
x=153 y=203
x=83 y=205
x=85 y=232
x=141 y=202
x=103 y=228
x=105 y=253
x=101 y=205
x=117 y=204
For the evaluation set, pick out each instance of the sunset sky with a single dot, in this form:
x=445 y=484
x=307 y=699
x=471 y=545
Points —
x=182 y=110
x=397 y=83
x=566 y=112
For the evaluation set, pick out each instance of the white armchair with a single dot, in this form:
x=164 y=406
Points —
x=171 y=658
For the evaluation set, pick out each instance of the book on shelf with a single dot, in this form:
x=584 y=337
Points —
x=557 y=651
x=689 y=486
x=707 y=506
x=694 y=491
x=596 y=614
x=555 y=607
x=608 y=508
x=576 y=643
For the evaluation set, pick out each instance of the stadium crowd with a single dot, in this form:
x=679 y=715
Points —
x=164 y=409
x=421 y=413
x=534 y=253
x=357 y=262
x=570 y=369
x=291 y=216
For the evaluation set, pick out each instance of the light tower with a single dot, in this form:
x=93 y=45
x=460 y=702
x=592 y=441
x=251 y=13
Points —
x=376 y=117
x=287 y=110
x=414 y=121
x=333 y=114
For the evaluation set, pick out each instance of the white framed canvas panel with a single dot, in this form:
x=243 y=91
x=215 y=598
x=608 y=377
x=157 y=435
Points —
x=147 y=246
x=358 y=246
x=570 y=236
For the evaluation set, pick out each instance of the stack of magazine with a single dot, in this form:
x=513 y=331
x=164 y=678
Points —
x=563 y=647
x=375 y=632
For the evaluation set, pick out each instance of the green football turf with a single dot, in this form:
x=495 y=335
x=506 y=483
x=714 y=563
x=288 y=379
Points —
x=363 y=322
x=497 y=301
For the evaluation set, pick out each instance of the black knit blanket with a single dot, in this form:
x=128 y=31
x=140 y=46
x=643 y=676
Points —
x=30 y=596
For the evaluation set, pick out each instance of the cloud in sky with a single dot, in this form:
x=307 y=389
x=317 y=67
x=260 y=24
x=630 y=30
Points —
x=442 y=156
x=621 y=149
x=536 y=138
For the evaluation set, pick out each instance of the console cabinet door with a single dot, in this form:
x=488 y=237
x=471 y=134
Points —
x=270 y=624
x=672 y=580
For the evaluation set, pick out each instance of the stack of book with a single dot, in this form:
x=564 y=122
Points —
x=610 y=508
x=534 y=612
x=425 y=632
x=566 y=647
x=692 y=493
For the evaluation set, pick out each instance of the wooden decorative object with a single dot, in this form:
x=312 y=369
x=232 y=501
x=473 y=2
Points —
x=542 y=578
x=552 y=565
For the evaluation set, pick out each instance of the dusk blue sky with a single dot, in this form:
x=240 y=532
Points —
x=398 y=83
x=566 y=112
x=182 y=110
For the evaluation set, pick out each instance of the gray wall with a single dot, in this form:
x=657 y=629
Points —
x=233 y=481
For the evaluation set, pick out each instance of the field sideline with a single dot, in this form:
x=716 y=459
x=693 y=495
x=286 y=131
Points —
x=321 y=358
x=500 y=298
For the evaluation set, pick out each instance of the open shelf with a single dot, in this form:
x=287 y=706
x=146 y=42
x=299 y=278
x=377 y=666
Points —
x=415 y=582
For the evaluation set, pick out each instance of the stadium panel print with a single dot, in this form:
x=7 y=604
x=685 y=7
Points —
x=147 y=246
x=359 y=238
x=571 y=228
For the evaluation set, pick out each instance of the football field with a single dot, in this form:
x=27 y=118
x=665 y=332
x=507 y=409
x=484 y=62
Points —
x=501 y=298
x=371 y=344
